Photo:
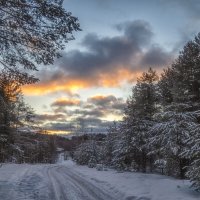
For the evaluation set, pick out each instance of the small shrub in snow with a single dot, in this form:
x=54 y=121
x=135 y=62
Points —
x=134 y=166
x=99 y=167
x=161 y=164
x=91 y=165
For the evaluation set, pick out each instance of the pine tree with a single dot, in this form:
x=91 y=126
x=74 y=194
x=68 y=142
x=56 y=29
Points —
x=122 y=149
x=87 y=153
x=179 y=88
x=169 y=137
x=109 y=143
x=141 y=107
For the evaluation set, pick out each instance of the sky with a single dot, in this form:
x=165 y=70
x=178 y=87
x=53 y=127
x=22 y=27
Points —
x=86 y=89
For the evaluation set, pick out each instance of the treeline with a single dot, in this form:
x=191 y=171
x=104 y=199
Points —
x=19 y=140
x=70 y=144
x=160 y=130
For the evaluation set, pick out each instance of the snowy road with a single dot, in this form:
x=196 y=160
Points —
x=49 y=182
x=68 y=181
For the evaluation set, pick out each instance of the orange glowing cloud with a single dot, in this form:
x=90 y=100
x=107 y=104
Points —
x=68 y=84
x=54 y=86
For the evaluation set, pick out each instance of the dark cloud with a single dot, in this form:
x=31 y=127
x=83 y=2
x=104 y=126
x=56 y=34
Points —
x=49 y=117
x=91 y=125
x=103 y=54
x=109 y=104
x=61 y=109
x=88 y=121
x=106 y=54
x=65 y=102
x=60 y=126
x=156 y=57
x=138 y=32
x=92 y=112
x=119 y=105
x=102 y=100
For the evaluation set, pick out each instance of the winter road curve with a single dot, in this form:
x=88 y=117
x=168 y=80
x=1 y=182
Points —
x=50 y=182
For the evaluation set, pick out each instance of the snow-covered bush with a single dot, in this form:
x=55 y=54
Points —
x=88 y=153
x=100 y=167
x=161 y=165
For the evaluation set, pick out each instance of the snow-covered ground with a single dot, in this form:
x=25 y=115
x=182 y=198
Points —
x=68 y=181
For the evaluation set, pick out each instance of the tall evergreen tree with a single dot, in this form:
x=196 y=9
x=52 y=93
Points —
x=110 y=143
x=179 y=86
x=141 y=107
x=168 y=137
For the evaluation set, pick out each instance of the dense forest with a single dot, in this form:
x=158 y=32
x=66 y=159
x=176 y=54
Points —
x=20 y=140
x=160 y=130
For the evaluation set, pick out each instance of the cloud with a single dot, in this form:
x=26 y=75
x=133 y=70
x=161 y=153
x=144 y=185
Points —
x=106 y=62
x=65 y=102
x=49 y=117
x=93 y=115
x=108 y=103
x=107 y=53
x=85 y=121
x=156 y=57
x=101 y=100
x=92 y=112
x=57 y=126
x=71 y=115
x=138 y=32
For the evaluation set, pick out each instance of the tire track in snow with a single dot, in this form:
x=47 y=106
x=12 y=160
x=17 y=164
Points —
x=53 y=182
x=87 y=187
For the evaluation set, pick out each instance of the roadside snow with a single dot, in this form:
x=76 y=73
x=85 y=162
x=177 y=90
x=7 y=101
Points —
x=138 y=186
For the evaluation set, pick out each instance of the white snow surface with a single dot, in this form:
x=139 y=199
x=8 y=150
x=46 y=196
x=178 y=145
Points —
x=68 y=181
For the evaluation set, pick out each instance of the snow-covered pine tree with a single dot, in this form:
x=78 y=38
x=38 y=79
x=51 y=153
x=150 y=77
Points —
x=88 y=153
x=186 y=72
x=122 y=149
x=141 y=106
x=169 y=137
x=180 y=93
x=109 y=143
